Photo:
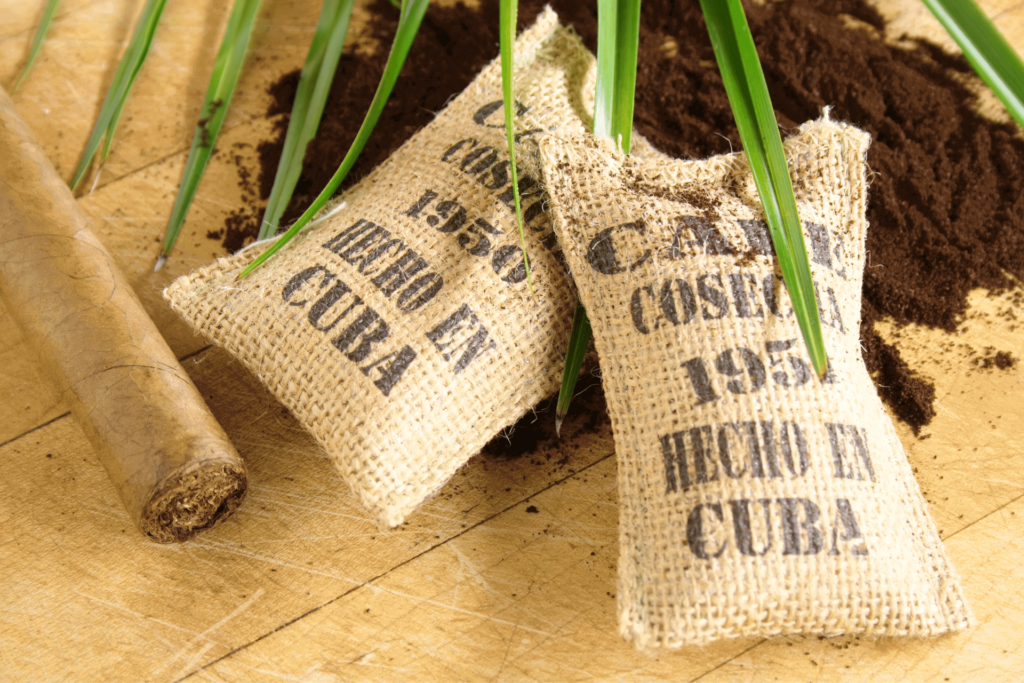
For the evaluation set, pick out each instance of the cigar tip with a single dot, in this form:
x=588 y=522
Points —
x=197 y=497
x=160 y=261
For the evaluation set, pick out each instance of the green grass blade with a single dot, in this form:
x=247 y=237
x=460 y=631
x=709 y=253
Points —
x=618 y=37
x=124 y=78
x=37 y=39
x=627 y=38
x=507 y=31
x=411 y=17
x=604 y=92
x=136 y=67
x=579 y=339
x=617 y=45
x=108 y=137
x=226 y=69
x=759 y=132
x=310 y=99
x=986 y=49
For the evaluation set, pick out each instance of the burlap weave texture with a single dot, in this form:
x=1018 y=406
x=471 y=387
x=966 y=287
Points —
x=400 y=331
x=755 y=499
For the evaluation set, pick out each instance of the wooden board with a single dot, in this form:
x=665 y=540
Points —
x=299 y=584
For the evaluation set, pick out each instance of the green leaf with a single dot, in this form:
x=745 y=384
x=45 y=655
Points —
x=124 y=78
x=759 y=132
x=37 y=39
x=109 y=136
x=507 y=31
x=618 y=38
x=579 y=338
x=986 y=49
x=410 y=18
x=226 y=70
x=310 y=99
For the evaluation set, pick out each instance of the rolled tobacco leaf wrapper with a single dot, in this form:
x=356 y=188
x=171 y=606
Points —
x=401 y=330
x=755 y=499
x=174 y=468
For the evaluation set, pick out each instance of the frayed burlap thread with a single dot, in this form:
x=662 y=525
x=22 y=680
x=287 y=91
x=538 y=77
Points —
x=400 y=330
x=755 y=499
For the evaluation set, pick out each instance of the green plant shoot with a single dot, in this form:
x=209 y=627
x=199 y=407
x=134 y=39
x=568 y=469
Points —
x=579 y=339
x=507 y=31
x=310 y=99
x=759 y=132
x=618 y=41
x=410 y=18
x=986 y=49
x=37 y=38
x=618 y=38
x=124 y=78
x=226 y=70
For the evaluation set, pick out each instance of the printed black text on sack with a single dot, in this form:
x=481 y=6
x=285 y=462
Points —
x=388 y=262
x=697 y=236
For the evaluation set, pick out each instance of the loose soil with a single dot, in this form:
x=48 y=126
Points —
x=946 y=204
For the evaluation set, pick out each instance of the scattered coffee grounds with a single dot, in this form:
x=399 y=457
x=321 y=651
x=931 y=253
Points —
x=535 y=431
x=1003 y=360
x=911 y=397
x=242 y=224
x=240 y=228
x=946 y=205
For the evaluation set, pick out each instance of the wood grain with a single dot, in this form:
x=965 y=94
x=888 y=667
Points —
x=299 y=585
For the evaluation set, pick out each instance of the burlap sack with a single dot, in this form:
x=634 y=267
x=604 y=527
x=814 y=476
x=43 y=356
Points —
x=400 y=331
x=755 y=499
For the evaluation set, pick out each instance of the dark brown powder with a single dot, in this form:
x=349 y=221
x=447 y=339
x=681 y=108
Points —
x=1002 y=360
x=946 y=207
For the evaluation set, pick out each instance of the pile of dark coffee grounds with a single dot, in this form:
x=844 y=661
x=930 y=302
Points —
x=946 y=203
x=946 y=206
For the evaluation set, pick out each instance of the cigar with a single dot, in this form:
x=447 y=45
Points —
x=172 y=464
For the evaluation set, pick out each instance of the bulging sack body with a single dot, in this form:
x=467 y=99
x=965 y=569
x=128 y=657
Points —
x=755 y=499
x=401 y=331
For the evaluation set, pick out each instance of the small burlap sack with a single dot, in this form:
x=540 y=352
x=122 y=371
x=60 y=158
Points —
x=755 y=499
x=400 y=331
